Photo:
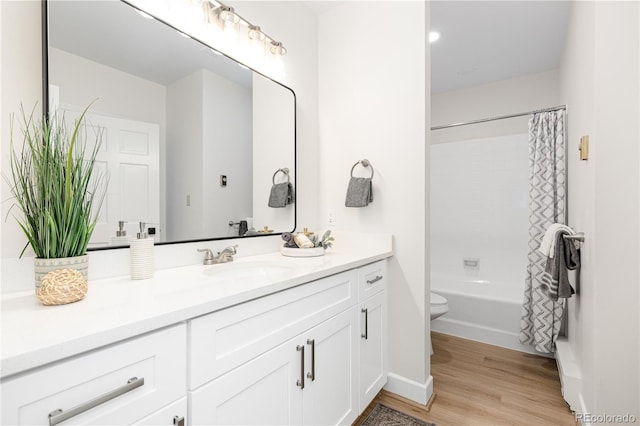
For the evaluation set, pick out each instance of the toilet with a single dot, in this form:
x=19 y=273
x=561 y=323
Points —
x=439 y=306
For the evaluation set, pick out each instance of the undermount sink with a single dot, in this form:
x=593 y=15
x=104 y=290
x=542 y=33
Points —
x=245 y=270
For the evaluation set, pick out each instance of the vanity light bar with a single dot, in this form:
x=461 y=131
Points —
x=216 y=10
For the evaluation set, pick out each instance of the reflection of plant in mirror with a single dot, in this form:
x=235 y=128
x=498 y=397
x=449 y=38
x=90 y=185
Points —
x=53 y=186
x=325 y=242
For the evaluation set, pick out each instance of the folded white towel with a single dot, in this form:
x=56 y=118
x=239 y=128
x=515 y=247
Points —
x=548 y=244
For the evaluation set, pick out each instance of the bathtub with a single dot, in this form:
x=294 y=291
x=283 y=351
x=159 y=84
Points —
x=482 y=310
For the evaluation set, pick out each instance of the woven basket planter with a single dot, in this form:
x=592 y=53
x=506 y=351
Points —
x=62 y=286
x=43 y=266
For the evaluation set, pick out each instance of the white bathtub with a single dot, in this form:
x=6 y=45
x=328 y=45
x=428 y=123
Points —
x=481 y=310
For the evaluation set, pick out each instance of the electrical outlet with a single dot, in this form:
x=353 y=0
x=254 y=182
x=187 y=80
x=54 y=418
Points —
x=188 y=200
x=331 y=218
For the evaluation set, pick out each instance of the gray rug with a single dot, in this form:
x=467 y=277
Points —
x=381 y=415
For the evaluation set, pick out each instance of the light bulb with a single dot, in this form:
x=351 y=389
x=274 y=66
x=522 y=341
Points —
x=228 y=15
x=277 y=48
x=255 y=33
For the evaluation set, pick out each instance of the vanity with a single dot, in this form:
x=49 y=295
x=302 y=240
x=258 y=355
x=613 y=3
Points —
x=262 y=340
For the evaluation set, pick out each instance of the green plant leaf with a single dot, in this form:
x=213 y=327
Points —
x=53 y=187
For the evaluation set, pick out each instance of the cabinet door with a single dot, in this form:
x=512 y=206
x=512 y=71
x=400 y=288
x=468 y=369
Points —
x=330 y=394
x=262 y=391
x=226 y=339
x=373 y=356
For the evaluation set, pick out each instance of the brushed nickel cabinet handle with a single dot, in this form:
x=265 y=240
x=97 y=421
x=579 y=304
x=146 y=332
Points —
x=374 y=280
x=366 y=323
x=301 y=381
x=59 y=416
x=312 y=375
x=178 y=420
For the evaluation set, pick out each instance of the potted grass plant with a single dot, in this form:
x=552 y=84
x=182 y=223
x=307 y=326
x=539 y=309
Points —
x=57 y=190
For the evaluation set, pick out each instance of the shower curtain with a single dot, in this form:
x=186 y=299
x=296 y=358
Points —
x=541 y=317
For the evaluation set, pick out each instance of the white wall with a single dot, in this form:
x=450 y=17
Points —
x=227 y=150
x=515 y=95
x=373 y=98
x=291 y=22
x=599 y=82
x=273 y=119
x=184 y=171
x=480 y=210
x=20 y=85
x=297 y=26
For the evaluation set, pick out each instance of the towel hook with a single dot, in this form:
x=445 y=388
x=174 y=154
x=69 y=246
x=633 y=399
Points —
x=365 y=163
x=285 y=171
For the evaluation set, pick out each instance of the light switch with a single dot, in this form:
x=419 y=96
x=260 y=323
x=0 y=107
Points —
x=584 y=148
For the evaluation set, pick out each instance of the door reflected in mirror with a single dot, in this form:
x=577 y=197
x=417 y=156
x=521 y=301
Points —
x=191 y=138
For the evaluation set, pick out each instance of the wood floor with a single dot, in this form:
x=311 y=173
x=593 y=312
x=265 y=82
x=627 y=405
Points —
x=479 y=384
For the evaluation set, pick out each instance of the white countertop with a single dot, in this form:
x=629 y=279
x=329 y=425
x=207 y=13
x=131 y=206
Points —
x=118 y=308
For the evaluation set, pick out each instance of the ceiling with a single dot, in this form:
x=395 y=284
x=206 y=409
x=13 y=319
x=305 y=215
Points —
x=114 y=34
x=481 y=41
x=486 y=41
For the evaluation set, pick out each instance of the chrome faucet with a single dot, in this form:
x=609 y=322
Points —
x=224 y=256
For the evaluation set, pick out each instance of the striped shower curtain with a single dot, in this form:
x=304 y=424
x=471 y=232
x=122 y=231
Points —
x=542 y=317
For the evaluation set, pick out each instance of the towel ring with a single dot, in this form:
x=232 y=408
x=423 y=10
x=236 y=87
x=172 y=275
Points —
x=285 y=171
x=364 y=163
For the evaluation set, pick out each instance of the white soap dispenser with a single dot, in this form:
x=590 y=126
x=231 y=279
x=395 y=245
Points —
x=142 y=264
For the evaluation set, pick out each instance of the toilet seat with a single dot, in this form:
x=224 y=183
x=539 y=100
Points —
x=439 y=306
x=437 y=300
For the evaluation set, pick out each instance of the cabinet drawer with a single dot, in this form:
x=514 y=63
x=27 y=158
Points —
x=166 y=416
x=225 y=339
x=157 y=360
x=372 y=279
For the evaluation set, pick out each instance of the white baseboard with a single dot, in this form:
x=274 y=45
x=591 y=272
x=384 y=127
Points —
x=570 y=375
x=582 y=409
x=415 y=391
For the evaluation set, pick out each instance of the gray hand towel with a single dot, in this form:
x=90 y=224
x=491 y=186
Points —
x=359 y=192
x=281 y=195
x=555 y=278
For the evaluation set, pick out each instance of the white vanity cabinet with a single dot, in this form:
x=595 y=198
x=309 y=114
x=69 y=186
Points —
x=137 y=381
x=372 y=282
x=288 y=358
x=302 y=350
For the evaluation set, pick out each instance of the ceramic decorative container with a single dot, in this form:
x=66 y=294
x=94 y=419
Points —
x=43 y=266
x=302 y=252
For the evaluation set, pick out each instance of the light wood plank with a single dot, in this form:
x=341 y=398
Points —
x=480 y=384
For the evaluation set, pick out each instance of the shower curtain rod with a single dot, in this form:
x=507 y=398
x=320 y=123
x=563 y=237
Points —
x=483 y=120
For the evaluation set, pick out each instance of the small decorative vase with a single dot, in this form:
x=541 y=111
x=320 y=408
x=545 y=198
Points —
x=43 y=266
